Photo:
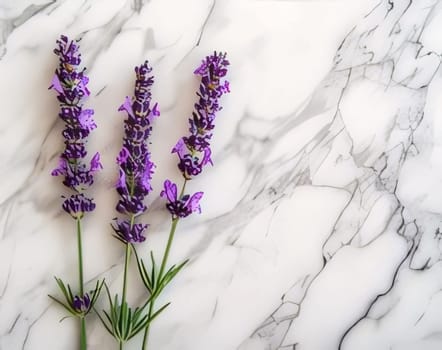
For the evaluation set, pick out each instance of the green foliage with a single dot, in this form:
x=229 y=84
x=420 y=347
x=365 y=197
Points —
x=152 y=280
x=123 y=322
x=68 y=304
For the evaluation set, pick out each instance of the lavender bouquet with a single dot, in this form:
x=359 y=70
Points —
x=70 y=83
x=134 y=183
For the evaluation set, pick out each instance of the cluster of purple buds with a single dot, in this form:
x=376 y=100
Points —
x=135 y=165
x=82 y=304
x=194 y=150
x=183 y=206
x=70 y=83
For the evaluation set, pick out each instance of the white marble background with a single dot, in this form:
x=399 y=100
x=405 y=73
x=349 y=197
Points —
x=321 y=223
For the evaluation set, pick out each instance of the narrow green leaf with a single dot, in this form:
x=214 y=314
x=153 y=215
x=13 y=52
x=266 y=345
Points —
x=64 y=318
x=154 y=268
x=62 y=287
x=171 y=273
x=160 y=310
x=129 y=324
x=139 y=326
x=120 y=239
x=96 y=292
x=67 y=307
x=123 y=319
x=103 y=322
x=145 y=277
x=71 y=295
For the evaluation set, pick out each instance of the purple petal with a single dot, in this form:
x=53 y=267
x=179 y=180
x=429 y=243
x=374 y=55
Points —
x=147 y=175
x=201 y=70
x=193 y=202
x=82 y=85
x=61 y=169
x=122 y=156
x=56 y=85
x=95 y=163
x=179 y=148
x=170 y=191
x=121 y=183
x=85 y=119
x=155 y=110
x=206 y=158
x=127 y=106
x=226 y=87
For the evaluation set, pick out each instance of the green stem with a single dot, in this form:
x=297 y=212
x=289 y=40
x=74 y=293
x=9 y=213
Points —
x=126 y=265
x=160 y=275
x=146 y=331
x=183 y=189
x=126 y=262
x=167 y=251
x=80 y=258
x=83 y=342
x=162 y=268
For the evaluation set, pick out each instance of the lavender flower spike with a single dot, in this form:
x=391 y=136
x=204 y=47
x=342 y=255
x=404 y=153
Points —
x=70 y=83
x=194 y=150
x=136 y=167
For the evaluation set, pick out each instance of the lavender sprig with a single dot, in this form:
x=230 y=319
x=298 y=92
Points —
x=193 y=153
x=135 y=174
x=136 y=167
x=70 y=83
x=194 y=150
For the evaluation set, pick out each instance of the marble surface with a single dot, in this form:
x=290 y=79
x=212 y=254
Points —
x=321 y=223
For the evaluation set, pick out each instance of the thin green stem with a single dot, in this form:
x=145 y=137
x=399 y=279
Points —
x=80 y=257
x=160 y=276
x=146 y=331
x=168 y=246
x=184 y=188
x=162 y=268
x=83 y=341
x=126 y=266
x=126 y=263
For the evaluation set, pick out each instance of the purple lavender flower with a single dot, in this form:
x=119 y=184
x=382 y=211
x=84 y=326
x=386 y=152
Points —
x=136 y=167
x=194 y=150
x=180 y=207
x=82 y=304
x=126 y=233
x=78 y=204
x=70 y=83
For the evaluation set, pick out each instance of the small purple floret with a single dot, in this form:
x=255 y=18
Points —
x=82 y=304
x=95 y=163
x=77 y=205
x=180 y=207
x=128 y=233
